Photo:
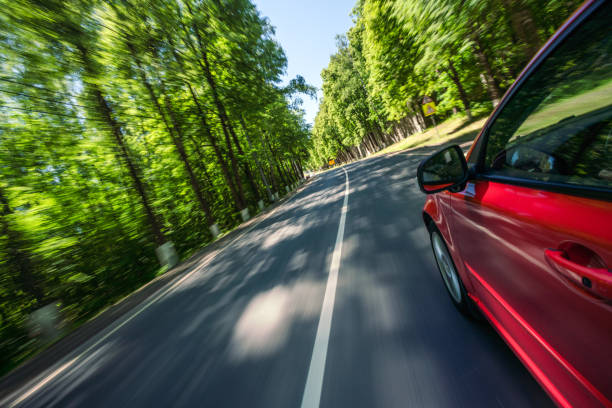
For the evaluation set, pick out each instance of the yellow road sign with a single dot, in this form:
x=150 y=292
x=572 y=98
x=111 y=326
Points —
x=429 y=108
x=332 y=162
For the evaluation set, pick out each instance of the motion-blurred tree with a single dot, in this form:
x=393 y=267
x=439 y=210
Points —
x=125 y=124
x=463 y=54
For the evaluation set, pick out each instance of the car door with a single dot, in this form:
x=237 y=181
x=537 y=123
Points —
x=534 y=226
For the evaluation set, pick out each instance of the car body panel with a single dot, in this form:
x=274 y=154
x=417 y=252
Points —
x=503 y=232
x=500 y=236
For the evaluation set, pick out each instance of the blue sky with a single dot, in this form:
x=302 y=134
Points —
x=306 y=30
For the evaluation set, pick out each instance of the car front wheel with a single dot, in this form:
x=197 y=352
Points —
x=450 y=276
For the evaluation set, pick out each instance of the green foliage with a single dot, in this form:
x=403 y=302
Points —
x=125 y=124
x=463 y=55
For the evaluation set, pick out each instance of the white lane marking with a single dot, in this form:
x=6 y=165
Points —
x=42 y=380
x=316 y=371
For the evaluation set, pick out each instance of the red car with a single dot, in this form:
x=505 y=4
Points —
x=521 y=228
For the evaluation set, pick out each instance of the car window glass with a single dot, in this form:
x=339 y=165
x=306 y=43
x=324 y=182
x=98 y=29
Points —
x=558 y=126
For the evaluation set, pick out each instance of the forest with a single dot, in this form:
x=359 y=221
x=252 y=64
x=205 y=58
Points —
x=126 y=125
x=461 y=54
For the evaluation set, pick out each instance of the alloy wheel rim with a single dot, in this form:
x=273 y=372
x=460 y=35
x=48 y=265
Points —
x=447 y=268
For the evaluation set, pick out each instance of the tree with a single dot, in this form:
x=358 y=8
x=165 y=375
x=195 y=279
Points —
x=398 y=52
x=125 y=124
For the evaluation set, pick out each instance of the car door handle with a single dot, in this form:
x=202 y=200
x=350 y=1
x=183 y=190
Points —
x=597 y=281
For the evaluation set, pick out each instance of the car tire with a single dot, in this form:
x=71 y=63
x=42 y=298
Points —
x=451 y=278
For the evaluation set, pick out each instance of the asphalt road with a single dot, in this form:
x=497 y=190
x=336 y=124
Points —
x=240 y=330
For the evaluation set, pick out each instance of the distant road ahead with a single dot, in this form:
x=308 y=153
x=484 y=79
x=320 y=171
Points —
x=240 y=330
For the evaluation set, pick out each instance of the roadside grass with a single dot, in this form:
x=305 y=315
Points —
x=456 y=129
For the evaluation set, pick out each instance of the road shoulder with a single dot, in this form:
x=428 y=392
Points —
x=46 y=359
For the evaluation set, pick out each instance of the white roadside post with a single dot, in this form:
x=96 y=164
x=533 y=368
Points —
x=166 y=255
x=260 y=205
x=244 y=213
x=214 y=230
x=44 y=323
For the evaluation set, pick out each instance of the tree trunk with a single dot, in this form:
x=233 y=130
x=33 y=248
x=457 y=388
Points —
x=385 y=139
x=221 y=112
x=245 y=167
x=275 y=159
x=298 y=164
x=195 y=184
x=238 y=199
x=231 y=183
x=202 y=159
x=420 y=116
x=176 y=134
x=281 y=174
x=372 y=142
x=105 y=112
x=235 y=170
x=492 y=86
x=376 y=144
x=273 y=178
x=264 y=143
x=256 y=158
x=282 y=168
x=288 y=173
x=17 y=256
x=295 y=170
x=462 y=94
x=524 y=27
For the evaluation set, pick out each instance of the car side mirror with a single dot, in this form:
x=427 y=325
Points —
x=444 y=170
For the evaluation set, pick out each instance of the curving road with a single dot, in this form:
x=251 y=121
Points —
x=240 y=330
